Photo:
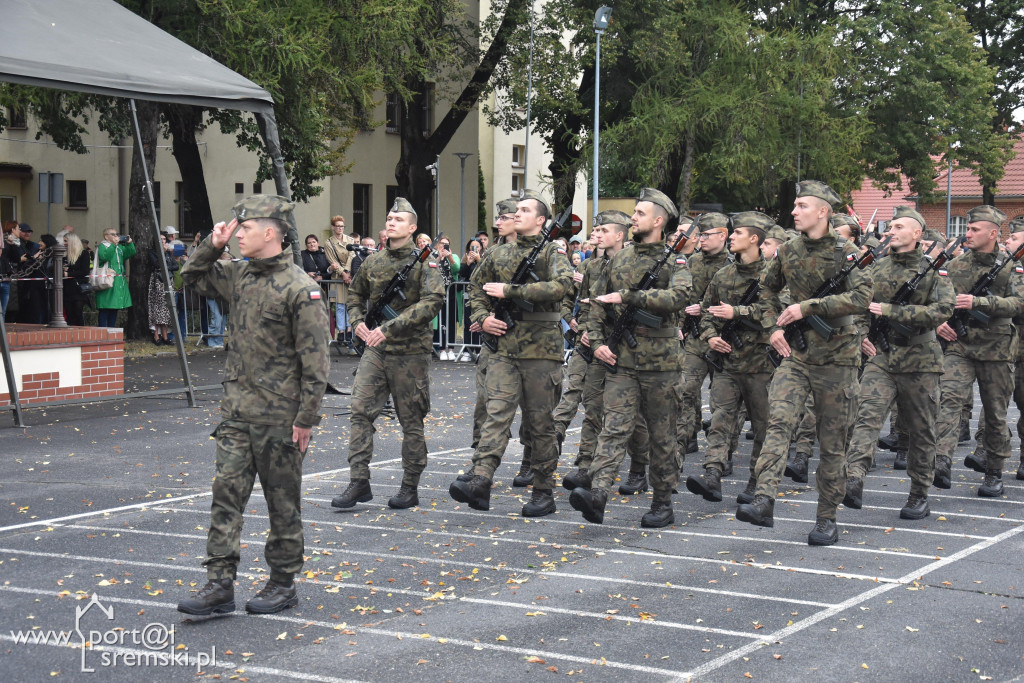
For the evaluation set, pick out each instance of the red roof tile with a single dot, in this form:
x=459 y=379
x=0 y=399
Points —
x=868 y=198
x=966 y=184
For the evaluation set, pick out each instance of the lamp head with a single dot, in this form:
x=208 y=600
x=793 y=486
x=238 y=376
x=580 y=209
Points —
x=602 y=17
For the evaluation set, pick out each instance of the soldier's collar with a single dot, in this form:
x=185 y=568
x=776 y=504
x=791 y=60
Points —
x=278 y=262
x=403 y=250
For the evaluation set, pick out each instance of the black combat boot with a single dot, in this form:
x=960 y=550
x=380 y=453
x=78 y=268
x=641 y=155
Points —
x=691 y=445
x=854 y=497
x=405 y=498
x=561 y=438
x=900 y=463
x=577 y=479
x=825 y=532
x=660 y=515
x=476 y=492
x=978 y=460
x=750 y=435
x=705 y=425
x=993 y=484
x=542 y=502
x=216 y=597
x=525 y=476
x=591 y=503
x=1020 y=471
x=942 y=473
x=747 y=495
x=465 y=476
x=635 y=483
x=760 y=512
x=708 y=485
x=358 y=491
x=272 y=598
x=728 y=466
x=888 y=442
x=916 y=507
x=796 y=469
x=965 y=431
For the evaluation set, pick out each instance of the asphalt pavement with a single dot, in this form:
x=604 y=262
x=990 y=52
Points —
x=105 y=526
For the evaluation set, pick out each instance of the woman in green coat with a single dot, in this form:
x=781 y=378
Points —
x=111 y=252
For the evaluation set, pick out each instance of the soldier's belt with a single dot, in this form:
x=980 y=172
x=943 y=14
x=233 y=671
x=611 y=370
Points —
x=536 y=317
x=656 y=332
x=841 y=321
x=992 y=322
x=928 y=336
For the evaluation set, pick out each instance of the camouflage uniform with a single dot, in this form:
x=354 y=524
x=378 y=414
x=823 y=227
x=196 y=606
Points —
x=909 y=372
x=577 y=368
x=399 y=365
x=274 y=378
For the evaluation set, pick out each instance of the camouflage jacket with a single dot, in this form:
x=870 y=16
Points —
x=997 y=342
x=410 y=332
x=277 y=362
x=702 y=269
x=804 y=264
x=666 y=299
x=727 y=286
x=528 y=340
x=929 y=306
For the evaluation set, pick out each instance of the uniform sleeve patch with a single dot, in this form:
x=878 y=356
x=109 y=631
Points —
x=680 y=262
x=1019 y=269
x=314 y=294
x=432 y=264
x=851 y=257
x=943 y=272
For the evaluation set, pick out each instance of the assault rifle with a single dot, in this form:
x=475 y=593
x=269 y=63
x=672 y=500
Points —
x=502 y=307
x=962 y=316
x=881 y=325
x=634 y=315
x=730 y=332
x=381 y=310
x=795 y=330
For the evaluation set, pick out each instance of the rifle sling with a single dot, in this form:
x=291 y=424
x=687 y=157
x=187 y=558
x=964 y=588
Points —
x=992 y=322
x=536 y=317
x=925 y=337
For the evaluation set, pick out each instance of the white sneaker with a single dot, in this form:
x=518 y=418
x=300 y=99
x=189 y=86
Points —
x=445 y=355
x=466 y=357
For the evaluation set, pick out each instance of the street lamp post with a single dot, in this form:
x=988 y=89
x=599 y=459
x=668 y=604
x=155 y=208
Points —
x=601 y=19
x=462 y=200
x=529 y=97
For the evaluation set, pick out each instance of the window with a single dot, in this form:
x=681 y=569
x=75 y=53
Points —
x=361 y=208
x=957 y=227
x=517 y=184
x=257 y=188
x=16 y=119
x=389 y=195
x=393 y=114
x=8 y=209
x=156 y=202
x=77 y=195
x=518 y=155
x=239 y=188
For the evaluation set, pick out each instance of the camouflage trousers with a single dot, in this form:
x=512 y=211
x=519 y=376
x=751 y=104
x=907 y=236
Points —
x=803 y=434
x=917 y=398
x=245 y=450
x=535 y=385
x=691 y=378
x=628 y=394
x=1018 y=400
x=996 y=384
x=834 y=388
x=638 y=447
x=730 y=392
x=571 y=397
x=407 y=380
x=480 y=408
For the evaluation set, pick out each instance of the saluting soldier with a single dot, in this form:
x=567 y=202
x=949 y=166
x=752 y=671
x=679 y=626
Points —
x=908 y=371
x=746 y=371
x=987 y=353
x=645 y=377
x=826 y=369
x=396 y=359
x=526 y=368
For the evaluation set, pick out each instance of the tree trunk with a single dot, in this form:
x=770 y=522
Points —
x=988 y=195
x=183 y=122
x=787 y=196
x=415 y=182
x=140 y=221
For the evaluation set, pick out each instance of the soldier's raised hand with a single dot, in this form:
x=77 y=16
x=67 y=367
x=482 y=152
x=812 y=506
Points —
x=222 y=233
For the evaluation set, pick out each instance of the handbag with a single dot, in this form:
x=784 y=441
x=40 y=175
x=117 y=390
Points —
x=101 y=278
x=85 y=288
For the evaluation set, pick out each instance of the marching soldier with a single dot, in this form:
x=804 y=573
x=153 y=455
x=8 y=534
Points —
x=907 y=368
x=526 y=368
x=988 y=351
x=826 y=369
x=395 y=361
x=1013 y=243
x=645 y=377
x=746 y=370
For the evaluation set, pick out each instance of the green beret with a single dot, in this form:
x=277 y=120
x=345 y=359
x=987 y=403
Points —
x=932 y=235
x=402 y=205
x=792 y=234
x=506 y=206
x=685 y=220
x=712 y=220
x=612 y=216
x=776 y=233
x=816 y=188
x=753 y=219
x=649 y=194
x=531 y=194
x=909 y=212
x=263 y=206
x=845 y=219
x=986 y=212
x=1017 y=225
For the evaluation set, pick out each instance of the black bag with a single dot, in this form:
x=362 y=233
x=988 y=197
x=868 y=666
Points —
x=85 y=288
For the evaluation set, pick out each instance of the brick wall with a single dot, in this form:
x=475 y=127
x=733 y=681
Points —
x=102 y=352
x=935 y=214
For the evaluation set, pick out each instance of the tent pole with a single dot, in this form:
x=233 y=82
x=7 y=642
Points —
x=168 y=284
x=12 y=386
x=272 y=139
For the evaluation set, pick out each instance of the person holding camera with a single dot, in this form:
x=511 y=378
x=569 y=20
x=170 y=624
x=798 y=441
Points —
x=114 y=252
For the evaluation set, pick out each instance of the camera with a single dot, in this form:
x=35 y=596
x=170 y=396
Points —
x=123 y=239
x=359 y=249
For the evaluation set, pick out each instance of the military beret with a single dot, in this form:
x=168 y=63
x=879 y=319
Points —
x=649 y=194
x=776 y=233
x=909 y=212
x=402 y=205
x=506 y=206
x=986 y=212
x=845 y=219
x=753 y=219
x=612 y=216
x=1017 y=224
x=684 y=220
x=531 y=194
x=932 y=235
x=263 y=206
x=816 y=188
x=711 y=221
x=792 y=234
